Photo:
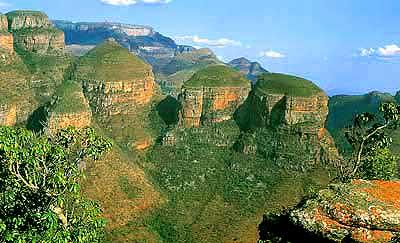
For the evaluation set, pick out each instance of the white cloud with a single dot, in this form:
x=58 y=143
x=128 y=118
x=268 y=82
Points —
x=220 y=43
x=132 y=2
x=386 y=51
x=4 y=4
x=272 y=54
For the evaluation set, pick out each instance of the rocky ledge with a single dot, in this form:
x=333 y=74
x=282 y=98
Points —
x=360 y=211
x=212 y=95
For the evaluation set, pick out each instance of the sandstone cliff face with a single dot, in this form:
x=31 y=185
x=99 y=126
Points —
x=6 y=42
x=8 y=115
x=19 y=20
x=363 y=211
x=3 y=23
x=119 y=97
x=40 y=41
x=207 y=105
x=69 y=108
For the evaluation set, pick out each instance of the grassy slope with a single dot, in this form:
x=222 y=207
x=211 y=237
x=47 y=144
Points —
x=110 y=62
x=217 y=76
x=276 y=83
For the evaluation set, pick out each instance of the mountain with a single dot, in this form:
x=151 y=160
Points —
x=248 y=68
x=397 y=97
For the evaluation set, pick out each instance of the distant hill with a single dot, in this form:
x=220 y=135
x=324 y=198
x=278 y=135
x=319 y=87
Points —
x=248 y=68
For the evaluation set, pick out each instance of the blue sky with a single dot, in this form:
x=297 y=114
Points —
x=345 y=46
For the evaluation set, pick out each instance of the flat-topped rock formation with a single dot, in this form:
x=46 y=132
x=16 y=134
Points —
x=212 y=95
x=290 y=100
x=363 y=211
x=69 y=109
x=293 y=107
x=115 y=81
x=33 y=32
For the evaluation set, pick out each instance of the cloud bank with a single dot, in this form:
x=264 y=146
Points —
x=132 y=2
x=272 y=54
x=386 y=51
x=220 y=43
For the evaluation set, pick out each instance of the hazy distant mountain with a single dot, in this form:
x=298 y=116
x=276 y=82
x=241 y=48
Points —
x=248 y=68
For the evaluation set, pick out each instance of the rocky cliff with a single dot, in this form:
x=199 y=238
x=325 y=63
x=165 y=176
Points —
x=296 y=109
x=8 y=115
x=69 y=108
x=212 y=95
x=361 y=211
x=33 y=32
x=248 y=68
x=6 y=38
x=115 y=81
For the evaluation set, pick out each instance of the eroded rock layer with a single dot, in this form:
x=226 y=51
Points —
x=6 y=42
x=212 y=95
x=114 y=80
x=363 y=211
x=8 y=115
x=19 y=20
x=211 y=104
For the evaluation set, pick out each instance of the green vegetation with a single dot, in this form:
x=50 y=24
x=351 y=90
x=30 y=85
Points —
x=215 y=194
x=111 y=62
x=369 y=137
x=69 y=98
x=276 y=83
x=40 y=198
x=218 y=76
x=37 y=31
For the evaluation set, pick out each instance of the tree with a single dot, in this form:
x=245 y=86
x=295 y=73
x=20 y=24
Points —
x=368 y=137
x=40 y=198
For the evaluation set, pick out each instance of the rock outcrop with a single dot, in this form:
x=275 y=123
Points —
x=212 y=95
x=33 y=32
x=115 y=81
x=248 y=68
x=292 y=107
x=69 y=109
x=362 y=211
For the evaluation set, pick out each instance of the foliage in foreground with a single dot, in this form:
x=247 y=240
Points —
x=370 y=141
x=40 y=199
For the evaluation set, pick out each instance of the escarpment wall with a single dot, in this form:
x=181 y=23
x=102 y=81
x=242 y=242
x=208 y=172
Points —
x=204 y=105
x=119 y=97
x=41 y=41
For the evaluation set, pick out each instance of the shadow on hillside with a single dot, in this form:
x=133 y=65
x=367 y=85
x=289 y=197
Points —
x=278 y=228
x=38 y=119
x=168 y=109
x=251 y=114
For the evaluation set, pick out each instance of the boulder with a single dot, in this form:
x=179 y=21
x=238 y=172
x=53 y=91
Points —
x=363 y=211
x=212 y=95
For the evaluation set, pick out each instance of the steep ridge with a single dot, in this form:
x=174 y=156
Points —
x=248 y=68
x=212 y=95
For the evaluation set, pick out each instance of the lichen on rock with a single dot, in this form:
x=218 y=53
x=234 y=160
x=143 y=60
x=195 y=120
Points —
x=365 y=211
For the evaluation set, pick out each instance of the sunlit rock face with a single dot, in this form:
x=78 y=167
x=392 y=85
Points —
x=114 y=80
x=33 y=32
x=363 y=211
x=212 y=95
x=8 y=115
